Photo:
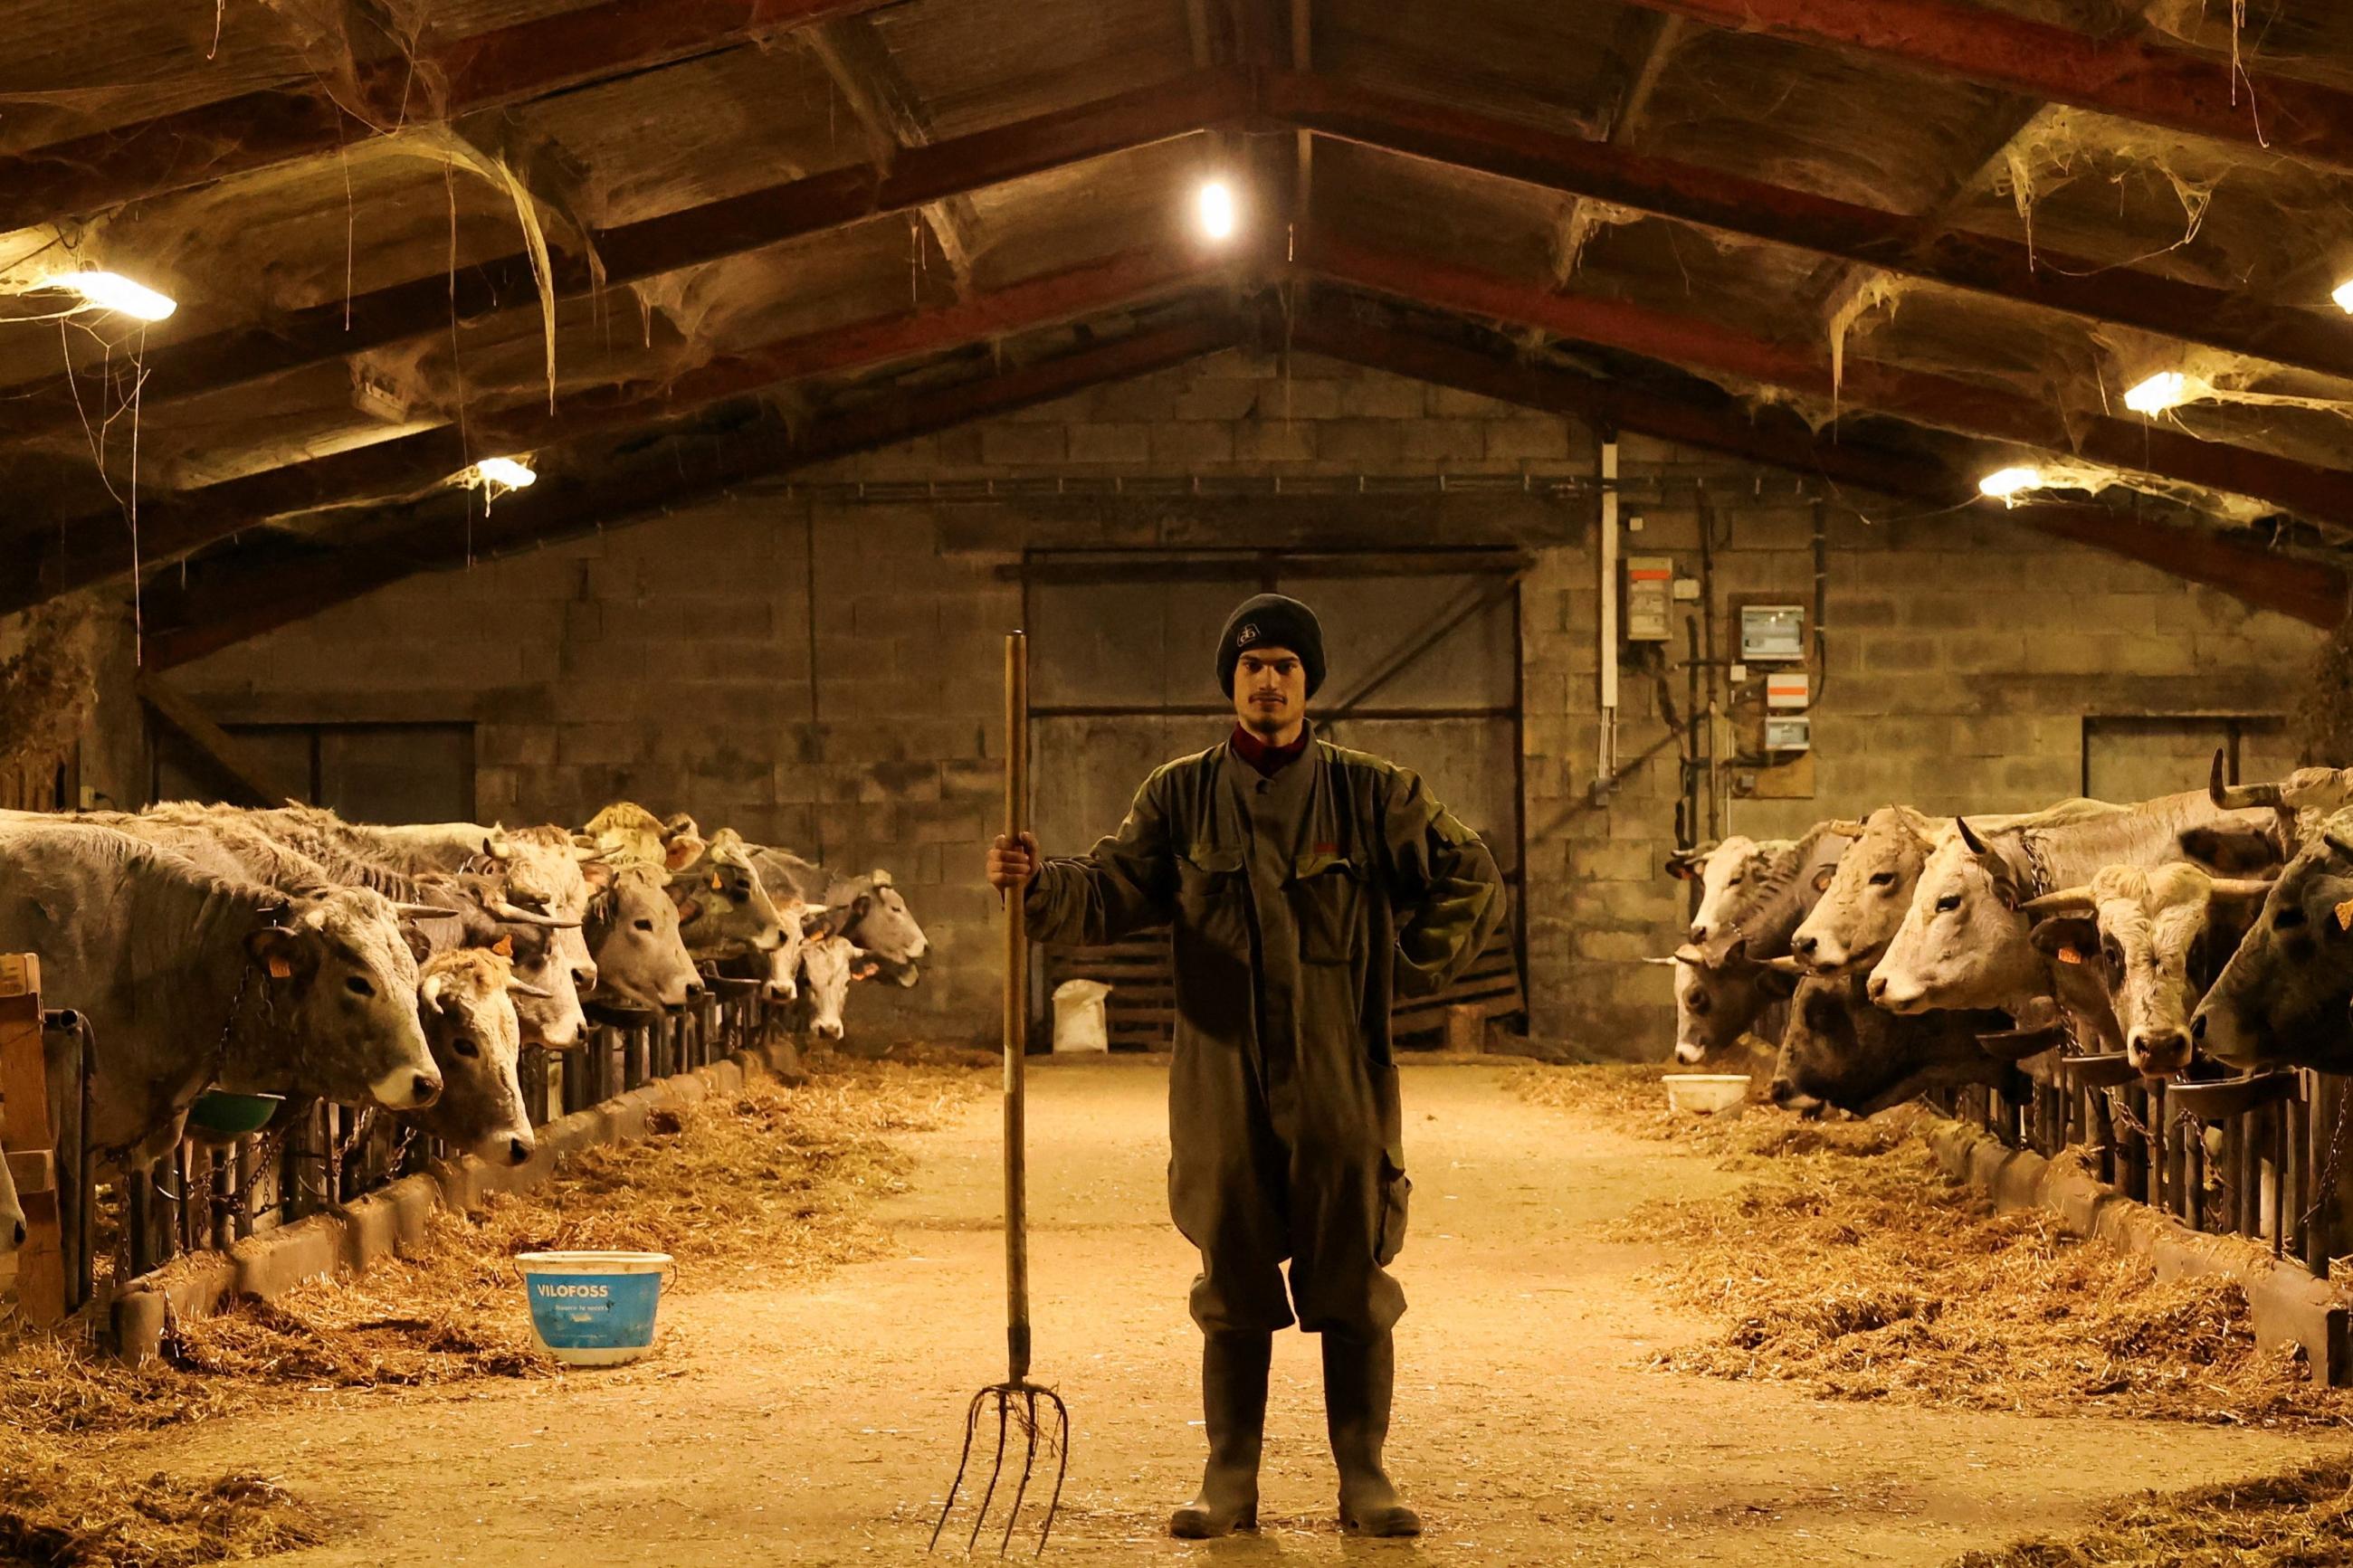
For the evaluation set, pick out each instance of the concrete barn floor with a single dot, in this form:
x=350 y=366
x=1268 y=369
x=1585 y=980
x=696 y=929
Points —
x=819 y=1424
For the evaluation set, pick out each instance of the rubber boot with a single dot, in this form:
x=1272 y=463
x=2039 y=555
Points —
x=1359 y=1375
x=1233 y=1410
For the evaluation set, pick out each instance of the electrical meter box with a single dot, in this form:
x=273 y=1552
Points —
x=1773 y=634
x=1783 y=734
x=1650 y=585
x=1790 y=690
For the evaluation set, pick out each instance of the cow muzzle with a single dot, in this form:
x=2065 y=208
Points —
x=404 y=1088
x=1690 y=1053
x=2157 y=1053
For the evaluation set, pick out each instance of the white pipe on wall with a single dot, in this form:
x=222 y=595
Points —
x=1606 y=763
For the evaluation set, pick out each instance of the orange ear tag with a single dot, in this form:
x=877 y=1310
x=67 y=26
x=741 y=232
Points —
x=280 y=969
x=2345 y=915
x=716 y=885
x=503 y=947
x=2069 y=955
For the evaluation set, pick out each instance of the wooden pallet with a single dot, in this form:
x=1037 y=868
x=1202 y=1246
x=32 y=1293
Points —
x=1141 y=1011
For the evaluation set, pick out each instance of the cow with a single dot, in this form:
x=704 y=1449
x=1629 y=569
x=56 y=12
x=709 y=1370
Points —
x=1862 y=905
x=828 y=963
x=1963 y=941
x=473 y=909
x=191 y=980
x=1721 y=871
x=464 y=1000
x=732 y=908
x=1840 y=1051
x=633 y=931
x=1716 y=1004
x=2299 y=802
x=2155 y=937
x=867 y=910
x=1759 y=913
x=2281 y=999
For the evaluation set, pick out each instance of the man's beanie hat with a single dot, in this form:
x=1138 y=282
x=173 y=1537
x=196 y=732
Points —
x=1271 y=620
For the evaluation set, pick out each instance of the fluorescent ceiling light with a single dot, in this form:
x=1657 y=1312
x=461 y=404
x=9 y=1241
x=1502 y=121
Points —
x=2343 y=295
x=2166 y=389
x=1217 y=212
x=113 y=292
x=503 y=472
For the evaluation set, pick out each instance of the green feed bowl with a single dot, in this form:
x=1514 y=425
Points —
x=232 y=1115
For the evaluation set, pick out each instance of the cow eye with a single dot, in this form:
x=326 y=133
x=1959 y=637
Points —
x=1699 y=1002
x=2114 y=955
x=1735 y=881
x=643 y=925
x=2288 y=918
x=1948 y=903
x=358 y=986
x=465 y=1046
x=1882 y=879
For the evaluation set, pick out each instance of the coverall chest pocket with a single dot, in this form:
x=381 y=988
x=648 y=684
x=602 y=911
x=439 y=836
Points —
x=1209 y=895
x=1327 y=893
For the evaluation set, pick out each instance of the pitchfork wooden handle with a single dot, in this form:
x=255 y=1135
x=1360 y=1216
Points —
x=1016 y=1015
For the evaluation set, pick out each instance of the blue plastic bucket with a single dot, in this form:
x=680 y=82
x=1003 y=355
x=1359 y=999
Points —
x=592 y=1309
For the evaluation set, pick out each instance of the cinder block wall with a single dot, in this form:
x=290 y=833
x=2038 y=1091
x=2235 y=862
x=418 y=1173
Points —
x=671 y=662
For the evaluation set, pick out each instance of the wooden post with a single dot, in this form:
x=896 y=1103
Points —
x=1466 y=1029
x=31 y=1145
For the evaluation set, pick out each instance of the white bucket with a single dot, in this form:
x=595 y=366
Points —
x=1080 y=1020
x=592 y=1309
x=1706 y=1093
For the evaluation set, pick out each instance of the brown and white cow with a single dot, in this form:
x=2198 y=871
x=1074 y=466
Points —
x=466 y=1002
x=1840 y=1051
x=2282 y=998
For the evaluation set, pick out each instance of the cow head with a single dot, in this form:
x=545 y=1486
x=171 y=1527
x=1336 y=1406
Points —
x=639 y=958
x=544 y=870
x=1722 y=873
x=828 y=963
x=1860 y=908
x=1840 y=1051
x=2281 y=998
x=733 y=907
x=338 y=985
x=784 y=960
x=1774 y=893
x=879 y=921
x=468 y=1000
x=1963 y=943
x=1717 y=1003
x=538 y=945
x=2154 y=939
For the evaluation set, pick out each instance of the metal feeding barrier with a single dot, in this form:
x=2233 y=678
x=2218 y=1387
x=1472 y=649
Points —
x=2258 y=1157
x=209 y=1193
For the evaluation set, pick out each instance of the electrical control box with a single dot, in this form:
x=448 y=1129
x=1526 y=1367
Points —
x=1789 y=734
x=1773 y=634
x=1650 y=587
x=1788 y=690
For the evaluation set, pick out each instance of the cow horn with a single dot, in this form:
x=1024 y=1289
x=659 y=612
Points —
x=1969 y=837
x=1784 y=964
x=1844 y=828
x=2065 y=901
x=2240 y=797
x=424 y=912
x=1670 y=962
x=1689 y=954
x=525 y=988
x=2240 y=888
x=515 y=915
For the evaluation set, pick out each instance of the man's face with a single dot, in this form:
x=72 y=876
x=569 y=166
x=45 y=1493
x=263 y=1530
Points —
x=1270 y=692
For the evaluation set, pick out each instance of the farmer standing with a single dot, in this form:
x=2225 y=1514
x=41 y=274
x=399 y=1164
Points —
x=1306 y=884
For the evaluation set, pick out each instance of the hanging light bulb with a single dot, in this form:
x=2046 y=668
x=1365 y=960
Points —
x=2166 y=389
x=2343 y=295
x=1216 y=210
x=505 y=473
x=2004 y=483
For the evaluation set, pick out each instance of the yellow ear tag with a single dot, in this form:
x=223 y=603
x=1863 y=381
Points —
x=2069 y=955
x=280 y=969
x=503 y=947
x=716 y=885
x=2345 y=915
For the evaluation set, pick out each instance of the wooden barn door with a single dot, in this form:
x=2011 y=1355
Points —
x=1424 y=653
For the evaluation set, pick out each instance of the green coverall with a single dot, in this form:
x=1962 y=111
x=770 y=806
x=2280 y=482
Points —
x=1301 y=905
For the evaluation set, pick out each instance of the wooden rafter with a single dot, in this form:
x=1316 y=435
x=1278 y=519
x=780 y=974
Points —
x=2311 y=591
x=894 y=119
x=2126 y=76
x=2323 y=496
x=239 y=604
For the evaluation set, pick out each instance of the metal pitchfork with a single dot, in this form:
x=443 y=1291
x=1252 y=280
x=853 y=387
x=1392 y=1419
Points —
x=1021 y=1404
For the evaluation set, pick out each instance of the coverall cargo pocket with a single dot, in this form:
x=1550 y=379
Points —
x=1396 y=1188
x=1207 y=884
x=1326 y=891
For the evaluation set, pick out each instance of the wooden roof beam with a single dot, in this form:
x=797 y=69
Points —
x=97 y=548
x=2126 y=76
x=1915 y=248
x=2322 y=496
x=795 y=209
x=894 y=119
x=229 y=609
x=2313 y=591
x=455 y=76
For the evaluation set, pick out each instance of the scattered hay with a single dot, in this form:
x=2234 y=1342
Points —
x=1633 y=1098
x=56 y=1512
x=2304 y=1517
x=61 y=1384
x=771 y=1184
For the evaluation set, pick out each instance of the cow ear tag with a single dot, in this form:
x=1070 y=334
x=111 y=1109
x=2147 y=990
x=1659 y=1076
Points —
x=2069 y=955
x=2345 y=915
x=280 y=969
x=503 y=947
x=716 y=885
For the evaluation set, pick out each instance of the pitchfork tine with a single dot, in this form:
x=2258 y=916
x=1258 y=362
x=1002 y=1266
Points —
x=1004 y=1413
x=971 y=1425
x=1028 y=1463
x=1062 y=1468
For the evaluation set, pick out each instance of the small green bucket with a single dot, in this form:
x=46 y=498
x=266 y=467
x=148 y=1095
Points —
x=227 y=1115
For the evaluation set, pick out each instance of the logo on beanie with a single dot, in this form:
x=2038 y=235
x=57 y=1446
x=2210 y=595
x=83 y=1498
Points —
x=1247 y=636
